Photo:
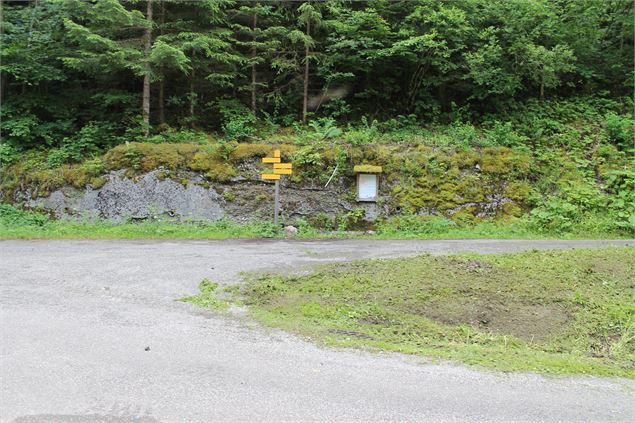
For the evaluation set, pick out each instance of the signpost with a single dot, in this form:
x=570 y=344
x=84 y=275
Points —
x=278 y=169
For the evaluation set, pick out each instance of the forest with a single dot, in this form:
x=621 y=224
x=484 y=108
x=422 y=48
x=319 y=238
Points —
x=113 y=67
x=543 y=77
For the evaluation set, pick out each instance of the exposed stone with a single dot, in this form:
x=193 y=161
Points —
x=290 y=230
x=153 y=196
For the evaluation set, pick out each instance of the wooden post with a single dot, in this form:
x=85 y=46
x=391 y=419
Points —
x=276 y=205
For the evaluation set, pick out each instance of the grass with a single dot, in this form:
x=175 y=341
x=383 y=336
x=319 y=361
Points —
x=224 y=230
x=561 y=312
x=21 y=224
x=207 y=297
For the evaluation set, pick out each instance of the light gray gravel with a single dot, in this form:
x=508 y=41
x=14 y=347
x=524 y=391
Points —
x=77 y=316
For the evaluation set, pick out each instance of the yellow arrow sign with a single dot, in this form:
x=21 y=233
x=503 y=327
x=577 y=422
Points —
x=271 y=160
x=282 y=171
x=283 y=166
x=276 y=153
x=270 y=176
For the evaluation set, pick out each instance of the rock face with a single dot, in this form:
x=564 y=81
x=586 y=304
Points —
x=189 y=196
x=149 y=197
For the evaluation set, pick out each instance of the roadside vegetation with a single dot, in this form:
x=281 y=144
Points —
x=16 y=223
x=480 y=132
x=561 y=311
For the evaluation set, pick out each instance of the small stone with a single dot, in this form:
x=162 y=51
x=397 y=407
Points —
x=147 y=348
x=290 y=230
x=370 y=232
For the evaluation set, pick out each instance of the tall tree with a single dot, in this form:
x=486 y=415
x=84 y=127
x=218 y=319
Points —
x=146 y=76
x=311 y=18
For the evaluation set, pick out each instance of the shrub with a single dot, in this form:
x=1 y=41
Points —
x=12 y=216
x=620 y=130
x=503 y=134
x=325 y=128
x=8 y=154
x=237 y=121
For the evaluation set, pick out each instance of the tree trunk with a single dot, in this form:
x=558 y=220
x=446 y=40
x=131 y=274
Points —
x=146 y=77
x=2 y=78
x=162 y=82
x=192 y=93
x=253 y=65
x=161 y=102
x=542 y=85
x=305 y=101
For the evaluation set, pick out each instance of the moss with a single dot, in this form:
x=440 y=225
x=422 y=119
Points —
x=221 y=172
x=161 y=175
x=367 y=169
x=229 y=196
x=244 y=152
x=97 y=182
x=442 y=181
x=145 y=157
x=203 y=161
x=510 y=210
x=204 y=184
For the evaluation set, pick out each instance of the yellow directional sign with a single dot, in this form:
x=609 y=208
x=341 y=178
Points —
x=270 y=176
x=282 y=171
x=283 y=166
x=278 y=169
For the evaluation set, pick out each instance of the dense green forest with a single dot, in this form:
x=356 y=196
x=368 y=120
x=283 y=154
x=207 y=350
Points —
x=76 y=70
x=432 y=82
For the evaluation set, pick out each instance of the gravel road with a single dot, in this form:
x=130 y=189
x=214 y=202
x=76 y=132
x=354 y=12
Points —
x=77 y=318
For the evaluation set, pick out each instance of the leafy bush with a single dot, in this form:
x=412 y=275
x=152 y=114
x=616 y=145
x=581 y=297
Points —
x=237 y=120
x=366 y=133
x=308 y=157
x=88 y=141
x=323 y=129
x=555 y=215
x=400 y=123
x=463 y=135
x=266 y=229
x=503 y=134
x=8 y=154
x=12 y=216
x=348 y=220
x=171 y=135
x=620 y=130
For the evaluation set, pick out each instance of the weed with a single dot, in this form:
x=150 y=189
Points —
x=207 y=297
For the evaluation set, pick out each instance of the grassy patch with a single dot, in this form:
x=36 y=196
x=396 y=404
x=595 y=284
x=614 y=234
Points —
x=207 y=298
x=21 y=224
x=568 y=312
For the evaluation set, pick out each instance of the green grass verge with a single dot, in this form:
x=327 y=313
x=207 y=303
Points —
x=21 y=224
x=562 y=312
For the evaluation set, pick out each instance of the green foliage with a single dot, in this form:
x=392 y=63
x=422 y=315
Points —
x=350 y=219
x=267 y=230
x=70 y=63
x=237 y=120
x=207 y=298
x=8 y=154
x=324 y=129
x=568 y=311
x=620 y=130
x=13 y=216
